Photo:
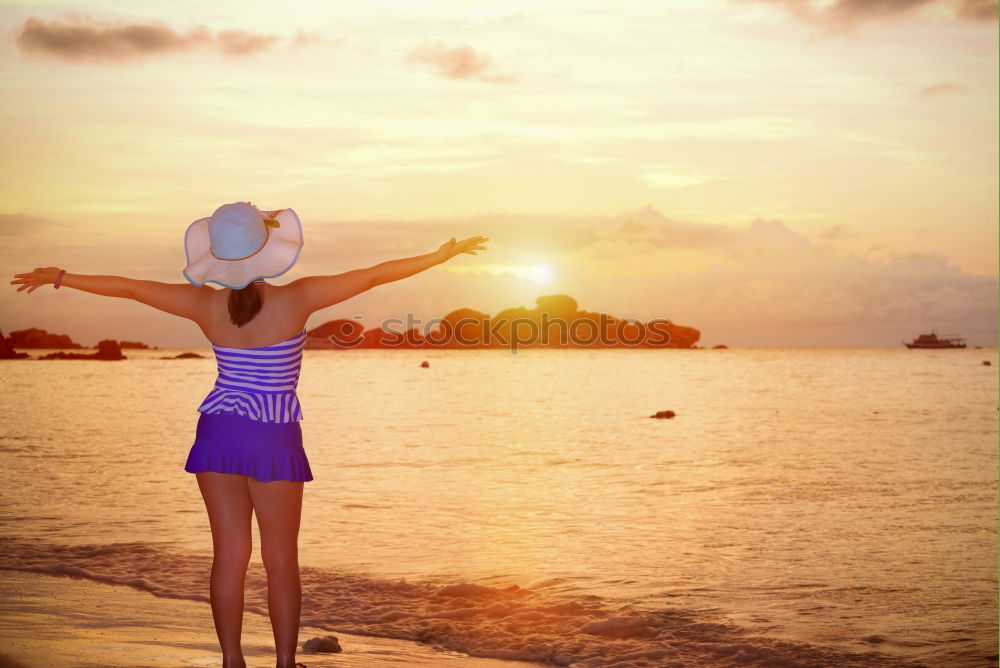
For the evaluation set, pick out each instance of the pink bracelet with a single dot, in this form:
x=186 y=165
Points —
x=59 y=278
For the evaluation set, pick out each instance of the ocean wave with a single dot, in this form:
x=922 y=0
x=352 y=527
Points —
x=541 y=623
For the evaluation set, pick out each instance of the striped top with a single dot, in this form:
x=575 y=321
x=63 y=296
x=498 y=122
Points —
x=258 y=383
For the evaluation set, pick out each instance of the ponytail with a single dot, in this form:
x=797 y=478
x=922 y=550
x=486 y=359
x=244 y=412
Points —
x=244 y=304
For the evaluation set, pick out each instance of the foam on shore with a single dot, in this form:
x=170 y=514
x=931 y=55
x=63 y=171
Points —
x=59 y=621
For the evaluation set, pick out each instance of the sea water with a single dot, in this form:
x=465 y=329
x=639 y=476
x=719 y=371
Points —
x=804 y=506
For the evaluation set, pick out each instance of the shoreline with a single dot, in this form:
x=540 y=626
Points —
x=59 y=621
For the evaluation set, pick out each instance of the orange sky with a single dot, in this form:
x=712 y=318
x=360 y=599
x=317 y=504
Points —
x=772 y=172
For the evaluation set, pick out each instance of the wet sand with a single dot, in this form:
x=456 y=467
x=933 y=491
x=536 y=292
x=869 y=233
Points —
x=63 y=622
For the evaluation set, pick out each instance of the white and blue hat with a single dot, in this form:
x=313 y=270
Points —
x=239 y=243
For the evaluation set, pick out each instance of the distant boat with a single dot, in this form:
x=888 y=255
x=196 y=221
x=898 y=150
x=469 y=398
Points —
x=932 y=340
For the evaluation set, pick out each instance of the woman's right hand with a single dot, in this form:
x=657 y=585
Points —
x=450 y=249
x=32 y=280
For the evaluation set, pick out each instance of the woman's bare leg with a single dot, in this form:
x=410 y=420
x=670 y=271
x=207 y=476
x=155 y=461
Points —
x=227 y=499
x=278 y=505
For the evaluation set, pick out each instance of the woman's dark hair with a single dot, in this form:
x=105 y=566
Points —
x=244 y=304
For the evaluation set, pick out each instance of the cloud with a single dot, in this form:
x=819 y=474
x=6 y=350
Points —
x=977 y=10
x=845 y=14
x=672 y=180
x=81 y=39
x=839 y=231
x=765 y=284
x=943 y=89
x=648 y=226
x=841 y=16
x=516 y=17
x=460 y=62
x=243 y=43
x=306 y=38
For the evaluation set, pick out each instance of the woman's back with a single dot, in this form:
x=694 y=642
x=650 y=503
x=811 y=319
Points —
x=279 y=319
x=257 y=374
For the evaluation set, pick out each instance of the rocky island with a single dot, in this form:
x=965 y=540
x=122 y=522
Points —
x=7 y=352
x=39 y=338
x=108 y=349
x=33 y=337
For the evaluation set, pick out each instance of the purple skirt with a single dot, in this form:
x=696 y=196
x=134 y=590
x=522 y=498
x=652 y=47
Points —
x=265 y=451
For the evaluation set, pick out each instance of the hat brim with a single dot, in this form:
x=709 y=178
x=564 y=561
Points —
x=277 y=256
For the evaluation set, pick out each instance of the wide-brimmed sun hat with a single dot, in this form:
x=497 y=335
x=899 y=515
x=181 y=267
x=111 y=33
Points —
x=239 y=243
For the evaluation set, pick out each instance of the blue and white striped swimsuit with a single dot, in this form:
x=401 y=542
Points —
x=258 y=383
x=249 y=422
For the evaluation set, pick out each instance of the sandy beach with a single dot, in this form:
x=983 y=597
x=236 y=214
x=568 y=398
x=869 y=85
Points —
x=64 y=622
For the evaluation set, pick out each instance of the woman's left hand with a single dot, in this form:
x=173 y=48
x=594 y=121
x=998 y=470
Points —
x=450 y=249
x=35 y=279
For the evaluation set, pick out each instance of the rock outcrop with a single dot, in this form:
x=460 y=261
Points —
x=39 y=338
x=33 y=337
x=7 y=352
x=108 y=349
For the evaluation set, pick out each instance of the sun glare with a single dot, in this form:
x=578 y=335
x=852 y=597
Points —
x=539 y=274
x=542 y=274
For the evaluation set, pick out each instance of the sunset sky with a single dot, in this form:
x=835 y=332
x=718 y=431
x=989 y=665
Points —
x=772 y=172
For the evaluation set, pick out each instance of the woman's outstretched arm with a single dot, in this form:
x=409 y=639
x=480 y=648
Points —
x=318 y=292
x=182 y=299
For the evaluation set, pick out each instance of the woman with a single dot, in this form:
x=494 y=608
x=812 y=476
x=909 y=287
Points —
x=248 y=455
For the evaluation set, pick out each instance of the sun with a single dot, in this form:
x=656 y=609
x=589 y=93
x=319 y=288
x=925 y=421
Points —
x=539 y=274
x=542 y=274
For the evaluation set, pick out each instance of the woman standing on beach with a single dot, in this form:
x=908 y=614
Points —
x=248 y=455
